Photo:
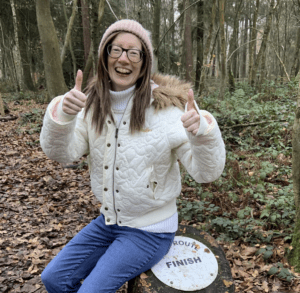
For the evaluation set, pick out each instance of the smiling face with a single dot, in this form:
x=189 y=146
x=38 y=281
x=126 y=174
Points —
x=122 y=72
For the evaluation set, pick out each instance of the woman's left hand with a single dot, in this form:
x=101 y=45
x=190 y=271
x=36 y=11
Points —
x=191 y=118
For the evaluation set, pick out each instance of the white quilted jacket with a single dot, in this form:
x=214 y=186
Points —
x=137 y=177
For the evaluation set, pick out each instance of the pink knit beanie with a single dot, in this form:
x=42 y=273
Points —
x=130 y=26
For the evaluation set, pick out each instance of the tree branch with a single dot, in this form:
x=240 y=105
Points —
x=155 y=50
x=253 y=123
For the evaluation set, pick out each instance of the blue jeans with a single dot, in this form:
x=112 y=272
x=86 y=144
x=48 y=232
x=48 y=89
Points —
x=105 y=257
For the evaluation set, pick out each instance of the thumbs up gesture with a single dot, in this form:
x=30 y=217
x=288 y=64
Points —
x=74 y=100
x=191 y=118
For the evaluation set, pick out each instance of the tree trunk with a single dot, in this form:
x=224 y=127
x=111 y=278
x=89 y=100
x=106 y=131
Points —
x=23 y=38
x=262 y=51
x=68 y=34
x=207 y=46
x=53 y=67
x=8 y=58
x=296 y=55
x=188 y=44
x=232 y=46
x=223 y=48
x=200 y=36
x=16 y=51
x=244 y=59
x=252 y=46
x=155 y=32
x=70 y=43
x=294 y=255
x=96 y=26
x=86 y=28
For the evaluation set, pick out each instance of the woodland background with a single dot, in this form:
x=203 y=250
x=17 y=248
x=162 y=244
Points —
x=242 y=58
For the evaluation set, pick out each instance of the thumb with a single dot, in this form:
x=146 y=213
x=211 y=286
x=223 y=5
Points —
x=78 y=81
x=190 y=105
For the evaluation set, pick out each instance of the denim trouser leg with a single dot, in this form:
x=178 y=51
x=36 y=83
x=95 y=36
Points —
x=105 y=257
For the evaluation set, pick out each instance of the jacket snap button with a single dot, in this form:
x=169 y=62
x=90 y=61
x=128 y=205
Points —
x=118 y=210
x=117 y=168
x=117 y=191
x=109 y=122
x=108 y=144
x=124 y=122
x=106 y=208
x=147 y=186
x=120 y=222
x=108 y=220
x=105 y=189
x=119 y=145
x=106 y=167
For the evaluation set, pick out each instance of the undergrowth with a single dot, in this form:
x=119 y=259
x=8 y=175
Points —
x=253 y=199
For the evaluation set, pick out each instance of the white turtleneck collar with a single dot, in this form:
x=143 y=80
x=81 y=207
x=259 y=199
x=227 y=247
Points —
x=119 y=101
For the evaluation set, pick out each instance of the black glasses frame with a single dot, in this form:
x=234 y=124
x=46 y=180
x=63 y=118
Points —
x=126 y=50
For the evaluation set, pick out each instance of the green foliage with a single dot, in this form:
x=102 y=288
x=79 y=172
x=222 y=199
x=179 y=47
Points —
x=283 y=273
x=198 y=210
x=267 y=252
x=256 y=182
x=34 y=118
x=28 y=96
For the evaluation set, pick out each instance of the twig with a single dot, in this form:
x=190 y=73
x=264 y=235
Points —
x=287 y=75
x=8 y=118
x=253 y=123
x=112 y=10
x=155 y=50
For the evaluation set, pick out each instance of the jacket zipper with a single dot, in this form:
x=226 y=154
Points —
x=116 y=146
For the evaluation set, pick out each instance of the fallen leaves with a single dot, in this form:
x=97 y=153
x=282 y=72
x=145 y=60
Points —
x=42 y=204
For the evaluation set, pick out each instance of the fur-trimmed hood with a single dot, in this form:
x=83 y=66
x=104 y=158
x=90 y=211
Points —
x=170 y=91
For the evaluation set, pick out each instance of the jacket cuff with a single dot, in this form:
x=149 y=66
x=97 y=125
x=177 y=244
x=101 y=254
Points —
x=207 y=122
x=62 y=116
x=56 y=112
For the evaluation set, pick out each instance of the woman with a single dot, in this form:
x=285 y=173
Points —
x=134 y=130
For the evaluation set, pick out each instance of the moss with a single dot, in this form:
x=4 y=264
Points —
x=298 y=113
x=294 y=255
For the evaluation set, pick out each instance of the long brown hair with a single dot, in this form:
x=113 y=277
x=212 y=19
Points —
x=99 y=101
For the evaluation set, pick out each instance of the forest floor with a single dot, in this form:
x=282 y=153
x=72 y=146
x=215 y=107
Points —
x=44 y=204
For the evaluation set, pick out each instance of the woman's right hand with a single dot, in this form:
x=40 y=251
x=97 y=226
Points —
x=75 y=99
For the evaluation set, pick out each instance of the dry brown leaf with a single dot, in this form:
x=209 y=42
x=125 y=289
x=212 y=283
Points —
x=227 y=283
x=265 y=286
x=143 y=276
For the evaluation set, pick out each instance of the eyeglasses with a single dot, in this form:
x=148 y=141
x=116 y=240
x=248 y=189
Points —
x=134 y=55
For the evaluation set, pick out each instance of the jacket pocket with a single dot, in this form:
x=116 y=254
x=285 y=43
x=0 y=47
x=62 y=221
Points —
x=152 y=182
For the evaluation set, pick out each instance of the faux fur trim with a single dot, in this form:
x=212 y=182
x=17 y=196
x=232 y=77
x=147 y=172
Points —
x=170 y=91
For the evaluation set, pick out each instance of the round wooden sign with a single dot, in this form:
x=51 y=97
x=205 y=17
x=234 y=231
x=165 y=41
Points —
x=189 y=265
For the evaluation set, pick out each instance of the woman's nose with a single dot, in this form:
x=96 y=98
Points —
x=123 y=57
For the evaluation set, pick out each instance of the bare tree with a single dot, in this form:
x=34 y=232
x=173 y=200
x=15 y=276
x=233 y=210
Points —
x=207 y=46
x=232 y=45
x=155 y=32
x=70 y=42
x=95 y=28
x=295 y=66
x=53 y=67
x=69 y=30
x=252 y=44
x=223 y=47
x=23 y=47
x=86 y=28
x=188 y=44
x=294 y=255
x=200 y=36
